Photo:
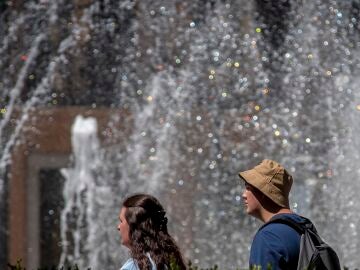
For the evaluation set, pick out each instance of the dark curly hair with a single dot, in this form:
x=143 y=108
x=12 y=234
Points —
x=148 y=234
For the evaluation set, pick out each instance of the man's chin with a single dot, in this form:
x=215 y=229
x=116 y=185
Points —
x=251 y=212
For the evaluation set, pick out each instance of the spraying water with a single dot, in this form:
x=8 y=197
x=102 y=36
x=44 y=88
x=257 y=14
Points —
x=84 y=217
x=211 y=87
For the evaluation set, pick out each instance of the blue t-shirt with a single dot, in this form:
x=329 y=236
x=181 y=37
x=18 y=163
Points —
x=276 y=245
x=131 y=264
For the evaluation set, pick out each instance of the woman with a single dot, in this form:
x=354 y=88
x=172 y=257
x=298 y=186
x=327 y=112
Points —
x=143 y=229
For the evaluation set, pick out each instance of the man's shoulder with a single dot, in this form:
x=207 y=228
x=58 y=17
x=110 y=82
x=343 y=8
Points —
x=273 y=227
x=278 y=236
x=275 y=243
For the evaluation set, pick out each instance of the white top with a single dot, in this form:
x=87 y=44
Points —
x=131 y=264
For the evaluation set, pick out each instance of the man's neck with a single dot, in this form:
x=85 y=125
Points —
x=265 y=216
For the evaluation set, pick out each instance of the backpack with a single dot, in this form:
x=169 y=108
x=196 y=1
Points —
x=314 y=253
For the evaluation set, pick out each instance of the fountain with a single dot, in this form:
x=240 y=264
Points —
x=195 y=91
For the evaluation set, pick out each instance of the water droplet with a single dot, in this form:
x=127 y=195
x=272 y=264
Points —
x=265 y=91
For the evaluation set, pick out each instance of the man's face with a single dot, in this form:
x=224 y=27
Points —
x=251 y=202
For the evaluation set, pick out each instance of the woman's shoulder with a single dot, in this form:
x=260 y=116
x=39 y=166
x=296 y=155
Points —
x=130 y=264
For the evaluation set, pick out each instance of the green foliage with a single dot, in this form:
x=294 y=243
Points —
x=173 y=266
x=3 y=4
x=190 y=266
x=18 y=266
x=194 y=267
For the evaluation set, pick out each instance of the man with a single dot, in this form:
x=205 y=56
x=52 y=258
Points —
x=266 y=194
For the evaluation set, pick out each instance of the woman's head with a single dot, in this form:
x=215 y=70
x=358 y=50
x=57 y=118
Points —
x=141 y=213
x=144 y=213
x=143 y=229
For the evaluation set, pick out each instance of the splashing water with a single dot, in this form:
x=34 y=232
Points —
x=84 y=217
x=211 y=87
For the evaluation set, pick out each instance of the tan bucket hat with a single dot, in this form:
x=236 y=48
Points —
x=271 y=179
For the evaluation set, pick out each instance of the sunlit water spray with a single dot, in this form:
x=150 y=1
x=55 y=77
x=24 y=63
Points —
x=85 y=215
x=209 y=94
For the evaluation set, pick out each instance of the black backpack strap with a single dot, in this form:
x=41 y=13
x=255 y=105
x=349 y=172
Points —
x=300 y=227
